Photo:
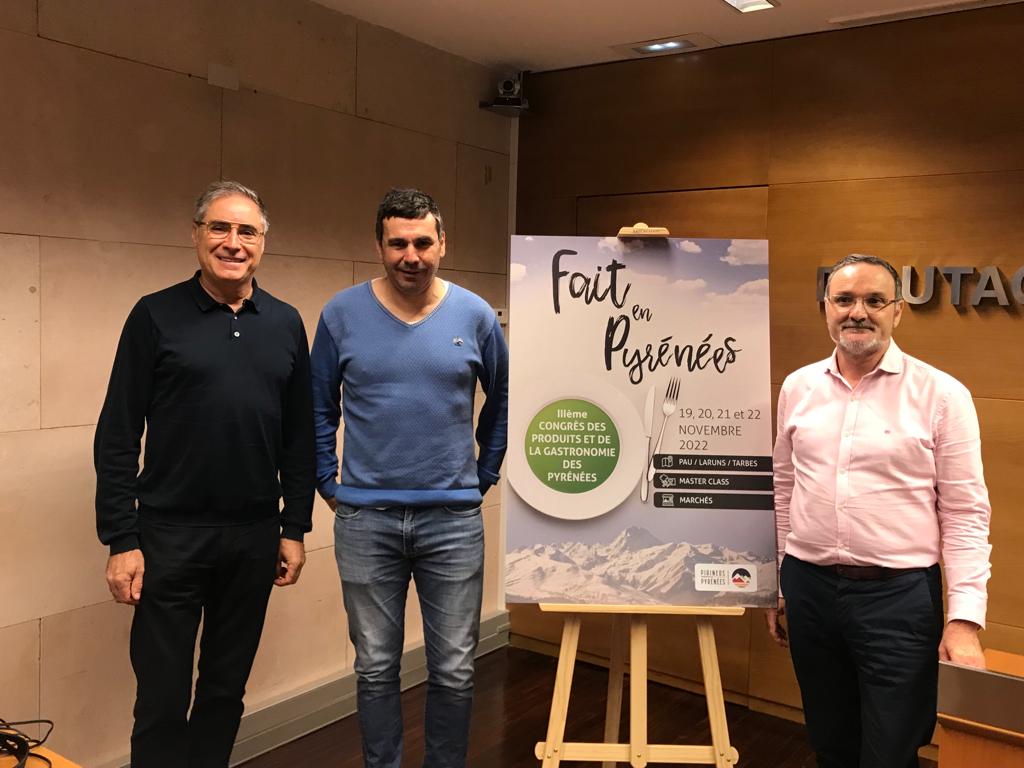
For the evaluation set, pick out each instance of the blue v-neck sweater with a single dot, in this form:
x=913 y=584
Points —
x=406 y=392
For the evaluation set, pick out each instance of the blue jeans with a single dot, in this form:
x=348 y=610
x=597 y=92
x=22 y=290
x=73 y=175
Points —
x=442 y=548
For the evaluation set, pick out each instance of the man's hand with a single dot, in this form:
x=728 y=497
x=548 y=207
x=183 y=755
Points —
x=124 y=576
x=291 y=557
x=773 y=618
x=332 y=503
x=960 y=644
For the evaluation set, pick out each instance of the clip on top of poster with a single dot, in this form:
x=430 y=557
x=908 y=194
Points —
x=643 y=230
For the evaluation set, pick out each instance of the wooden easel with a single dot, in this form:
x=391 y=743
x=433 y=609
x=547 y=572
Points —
x=637 y=752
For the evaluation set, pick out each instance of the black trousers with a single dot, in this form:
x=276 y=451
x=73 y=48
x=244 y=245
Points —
x=223 y=575
x=866 y=657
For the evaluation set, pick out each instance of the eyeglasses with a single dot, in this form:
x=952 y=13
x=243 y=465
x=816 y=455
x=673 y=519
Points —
x=871 y=303
x=221 y=230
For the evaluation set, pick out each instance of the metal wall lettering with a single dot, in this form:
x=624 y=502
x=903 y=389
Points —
x=919 y=285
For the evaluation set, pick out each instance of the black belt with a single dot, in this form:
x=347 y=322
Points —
x=867 y=572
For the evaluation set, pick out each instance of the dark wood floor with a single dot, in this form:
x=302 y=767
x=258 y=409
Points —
x=513 y=696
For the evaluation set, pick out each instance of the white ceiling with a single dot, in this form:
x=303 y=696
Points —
x=538 y=35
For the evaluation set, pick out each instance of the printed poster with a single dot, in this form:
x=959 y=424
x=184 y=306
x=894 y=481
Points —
x=639 y=459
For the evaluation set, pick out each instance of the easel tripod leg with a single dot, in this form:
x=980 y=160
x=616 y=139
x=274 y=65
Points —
x=638 y=691
x=552 y=753
x=725 y=755
x=616 y=671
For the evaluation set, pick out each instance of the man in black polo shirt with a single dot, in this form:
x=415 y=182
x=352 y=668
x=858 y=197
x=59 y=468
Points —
x=216 y=371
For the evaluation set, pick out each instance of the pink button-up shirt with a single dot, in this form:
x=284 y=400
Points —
x=887 y=473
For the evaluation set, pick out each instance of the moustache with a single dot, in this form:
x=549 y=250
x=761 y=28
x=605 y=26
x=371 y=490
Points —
x=860 y=326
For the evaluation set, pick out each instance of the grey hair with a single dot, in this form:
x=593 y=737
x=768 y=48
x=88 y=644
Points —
x=860 y=258
x=219 y=189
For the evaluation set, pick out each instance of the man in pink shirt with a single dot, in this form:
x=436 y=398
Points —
x=877 y=476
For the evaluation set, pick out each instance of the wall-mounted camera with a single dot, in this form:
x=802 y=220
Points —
x=510 y=100
x=510 y=87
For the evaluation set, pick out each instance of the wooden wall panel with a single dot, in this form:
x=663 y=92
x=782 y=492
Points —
x=1002 y=428
x=481 y=202
x=539 y=215
x=110 y=131
x=323 y=190
x=85 y=656
x=77 y=348
x=288 y=660
x=47 y=533
x=19 y=332
x=931 y=95
x=723 y=213
x=314 y=48
x=19 y=648
x=99 y=148
x=881 y=141
x=407 y=83
x=673 y=648
x=1004 y=637
x=964 y=219
x=18 y=16
x=173 y=36
x=668 y=123
x=528 y=620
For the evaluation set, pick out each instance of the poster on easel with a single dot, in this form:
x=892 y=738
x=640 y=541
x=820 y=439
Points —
x=639 y=454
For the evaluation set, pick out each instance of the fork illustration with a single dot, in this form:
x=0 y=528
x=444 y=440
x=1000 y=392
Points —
x=668 y=407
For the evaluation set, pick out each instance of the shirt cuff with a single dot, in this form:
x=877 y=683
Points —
x=125 y=543
x=293 y=532
x=486 y=478
x=328 y=489
x=967 y=608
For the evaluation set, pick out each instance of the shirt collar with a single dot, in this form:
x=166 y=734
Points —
x=206 y=302
x=891 y=362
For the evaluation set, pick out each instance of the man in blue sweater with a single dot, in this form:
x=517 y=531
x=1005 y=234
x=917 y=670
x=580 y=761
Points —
x=407 y=351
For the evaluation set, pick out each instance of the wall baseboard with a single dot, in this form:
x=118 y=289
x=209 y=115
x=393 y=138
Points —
x=270 y=727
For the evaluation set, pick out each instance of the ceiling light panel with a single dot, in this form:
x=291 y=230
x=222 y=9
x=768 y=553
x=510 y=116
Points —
x=672 y=46
x=749 y=6
x=666 y=45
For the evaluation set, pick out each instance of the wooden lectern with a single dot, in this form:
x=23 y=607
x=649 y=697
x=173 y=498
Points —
x=981 y=720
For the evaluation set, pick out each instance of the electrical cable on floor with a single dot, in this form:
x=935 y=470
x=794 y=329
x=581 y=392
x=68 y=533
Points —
x=19 y=745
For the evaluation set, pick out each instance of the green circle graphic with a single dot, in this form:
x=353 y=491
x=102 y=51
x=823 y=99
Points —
x=572 y=446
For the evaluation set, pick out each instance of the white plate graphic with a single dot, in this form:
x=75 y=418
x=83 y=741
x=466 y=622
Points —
x=623 y=479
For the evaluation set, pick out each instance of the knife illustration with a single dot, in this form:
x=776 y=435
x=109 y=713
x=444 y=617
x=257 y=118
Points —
x=648 y=429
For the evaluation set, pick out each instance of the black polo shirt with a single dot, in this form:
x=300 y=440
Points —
x=225 y=401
